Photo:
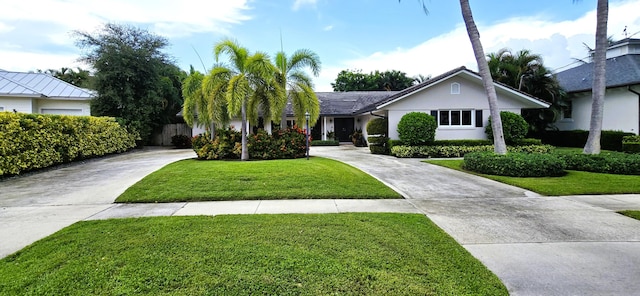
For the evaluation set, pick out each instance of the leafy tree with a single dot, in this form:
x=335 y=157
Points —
x=526 y=72
x=81 y=78
x=298 y=84
x=355 y=80
x=246 y=86
x=135 y=80
x=599 y=79
x=420 y=78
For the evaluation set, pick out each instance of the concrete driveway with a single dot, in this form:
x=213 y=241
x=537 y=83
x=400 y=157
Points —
x=38 y=205
x=536 y=245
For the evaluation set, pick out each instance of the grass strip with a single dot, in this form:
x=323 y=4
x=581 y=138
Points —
x=574 y=183
x=327 y=254
x=197 y=180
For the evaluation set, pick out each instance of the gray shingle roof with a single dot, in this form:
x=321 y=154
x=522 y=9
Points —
x=347 y=103
x=621 y=71
x=41 y=85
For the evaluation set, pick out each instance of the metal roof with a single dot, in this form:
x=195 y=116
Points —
x=621 y=71
x=41 y=85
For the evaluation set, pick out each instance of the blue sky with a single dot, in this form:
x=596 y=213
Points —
x=354 y=34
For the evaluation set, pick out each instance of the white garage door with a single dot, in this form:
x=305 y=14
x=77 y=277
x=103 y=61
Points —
x=62 y=111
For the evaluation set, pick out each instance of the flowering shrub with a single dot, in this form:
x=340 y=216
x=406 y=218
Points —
x=282 y=144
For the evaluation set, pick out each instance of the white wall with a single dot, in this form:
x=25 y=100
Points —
x=439 y=97
x=63 y=107
x=24 y=105
x=621 y=111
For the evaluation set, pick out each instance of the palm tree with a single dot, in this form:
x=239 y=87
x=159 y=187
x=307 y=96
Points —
x=485 y=74
x=599 y=79
x=298 y=84
x=245 y=87
x=196 y=104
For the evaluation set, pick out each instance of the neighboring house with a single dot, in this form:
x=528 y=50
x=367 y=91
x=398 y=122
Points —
x=456 y=98
x=622 y=97
x=42 y=93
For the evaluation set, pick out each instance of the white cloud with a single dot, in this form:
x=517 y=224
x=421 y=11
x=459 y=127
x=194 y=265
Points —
x=14 y=60
x=4 y=28
x=328 y=28
x=557 y=42
x=297 y=4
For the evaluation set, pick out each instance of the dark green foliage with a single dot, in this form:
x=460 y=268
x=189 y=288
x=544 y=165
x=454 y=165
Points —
x=459 y=151
x=631 y=144
x=514 y=127
x=417 y=128
x=181 y=141
x=199 y=141
x=392 y=143
x=81 y=78
x=378 y=126
x=515 y=164
x=528 y=141
x=282 y=144
x=358 y=139
x=378 y=144
x=462 y=143
x=33 y=141
x=610 y=140
x=134 y=79
x=355 y=80
x=605 y=162
x=325 y=143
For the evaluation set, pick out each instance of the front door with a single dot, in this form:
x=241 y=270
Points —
x=344 y=129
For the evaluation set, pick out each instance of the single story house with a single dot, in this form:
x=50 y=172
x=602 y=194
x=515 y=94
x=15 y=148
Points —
x=622 y=96
x=456 y=98
x=42 y=93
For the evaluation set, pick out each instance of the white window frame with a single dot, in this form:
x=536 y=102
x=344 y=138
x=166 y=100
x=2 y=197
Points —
x=455 y=88
x=449 y=111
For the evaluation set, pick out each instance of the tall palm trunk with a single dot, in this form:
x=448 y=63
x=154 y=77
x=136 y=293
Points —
x=599 y=79
x=243 y=130
x=483 y=68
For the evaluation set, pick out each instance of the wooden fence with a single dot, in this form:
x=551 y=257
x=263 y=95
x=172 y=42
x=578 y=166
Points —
x=168 y=131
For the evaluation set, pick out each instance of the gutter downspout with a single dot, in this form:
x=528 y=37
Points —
x=376 y=115
x=638 y=94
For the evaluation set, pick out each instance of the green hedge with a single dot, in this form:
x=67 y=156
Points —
x=459 y=151
x=515 y=164
x=282 y=144
x=34 y=141
x=609 y=140
x=631 y=144
x=325 y=143
x=605 y=162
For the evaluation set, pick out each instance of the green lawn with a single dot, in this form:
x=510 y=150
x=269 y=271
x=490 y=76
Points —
x=632 y=214
x=574 y=183
x=196 y=180
x=328 y=254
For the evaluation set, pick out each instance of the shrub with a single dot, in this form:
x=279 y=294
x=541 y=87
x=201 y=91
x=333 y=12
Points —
x=34 y=141
x=357 y=138
x=392 y=143
x=462 y=142
x=515 y=164
x=513 y=125
x=181 y=141
x=225 y=145
x=378 y=126
x=378 y=144
x=605 y=162
x=460 y=151
x=200 y=140
x=282 y=144
x=325 y=143
x=631 y=144
x=609 y=140
x=417 y=128
x=528 y=141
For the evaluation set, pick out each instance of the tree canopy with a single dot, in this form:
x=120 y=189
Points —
x=298 y=85
x=136 y=82
x=355 y=80
x=80 y=78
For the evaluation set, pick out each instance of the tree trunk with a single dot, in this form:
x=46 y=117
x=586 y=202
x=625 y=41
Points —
x=243 y=130
x=487 y=81
x=599 y=79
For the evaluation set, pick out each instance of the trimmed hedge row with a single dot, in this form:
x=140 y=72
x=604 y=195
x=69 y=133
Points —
x=605 y=162
x=609 y=140
x=515 y=164
x=459 y=151
x=34 y=141
x=631 y=144
x=325 y=143
x=227 y=144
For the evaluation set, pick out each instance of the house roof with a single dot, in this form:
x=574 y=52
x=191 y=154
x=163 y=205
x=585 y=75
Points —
x=457 y=71
x=41 y=85
x=349 y=103
x=621 y=71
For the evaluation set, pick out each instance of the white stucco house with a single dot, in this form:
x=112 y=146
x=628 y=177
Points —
x=622 y=96
x=456 y=98
x=42 y=93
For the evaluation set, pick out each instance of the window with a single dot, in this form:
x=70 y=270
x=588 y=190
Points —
x=567 y=111
x=455 y=118
x=1 y=108
x=455 y=88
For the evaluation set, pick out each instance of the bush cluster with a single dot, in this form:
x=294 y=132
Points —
x=605 y=162
x=417 y=128
x=460 y=151
x=282 y=144
x=609 y=140
x=33 y=141
x=377 y=129
x=515 y=164
x=325 y=143
x=514 y=127
x=631 y=144
x=181 y=141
